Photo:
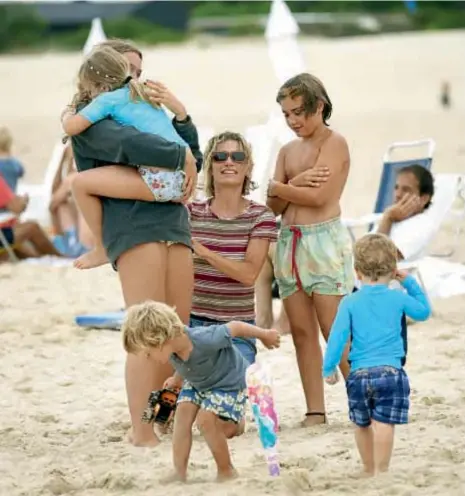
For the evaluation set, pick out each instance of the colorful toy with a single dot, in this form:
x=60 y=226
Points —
x=260 y=390
x=161 y=406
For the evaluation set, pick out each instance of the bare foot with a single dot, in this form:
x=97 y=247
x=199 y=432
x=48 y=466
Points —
x=313 y=419
x=94 y=258
x=174 y=477
x=152 y=442
x=364 y=474
x=227 y=475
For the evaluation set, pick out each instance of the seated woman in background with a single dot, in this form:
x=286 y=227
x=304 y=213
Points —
x=29 y=240
x=231 y=236
x=11 y=169
x=72 y=236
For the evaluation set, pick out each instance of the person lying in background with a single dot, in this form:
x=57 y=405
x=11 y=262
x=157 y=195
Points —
x=28 y=239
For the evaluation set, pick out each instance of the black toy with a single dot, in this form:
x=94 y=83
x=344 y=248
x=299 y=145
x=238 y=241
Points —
x=161 y=406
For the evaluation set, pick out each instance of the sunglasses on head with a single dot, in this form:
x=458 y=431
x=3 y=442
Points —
x=223 y=156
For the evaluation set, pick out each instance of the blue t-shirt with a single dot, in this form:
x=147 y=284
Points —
x=11 y=170
x=214 y=362
x=140 y=114
x=371 y=317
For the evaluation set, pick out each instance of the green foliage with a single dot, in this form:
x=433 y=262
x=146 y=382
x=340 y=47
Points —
x=138 y=30
x=20 y=27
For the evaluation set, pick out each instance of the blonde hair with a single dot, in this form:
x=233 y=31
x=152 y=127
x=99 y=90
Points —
x=150 y=325
x=210 y=149
x=121 y=46
x=375 y=256
x=106 y=69
x=6 y=140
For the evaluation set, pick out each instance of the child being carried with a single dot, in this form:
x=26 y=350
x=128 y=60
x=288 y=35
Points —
x=105 y=80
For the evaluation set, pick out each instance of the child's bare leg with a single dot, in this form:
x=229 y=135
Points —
x=365 y=446
x=182 y=440
x=212 y=430
x=110 y=181
x=383 y=445
x=231 y=429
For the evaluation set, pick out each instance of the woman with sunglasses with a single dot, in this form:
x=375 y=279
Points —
x=231 y=235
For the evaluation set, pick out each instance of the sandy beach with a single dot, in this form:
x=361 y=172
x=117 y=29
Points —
x=63 y=407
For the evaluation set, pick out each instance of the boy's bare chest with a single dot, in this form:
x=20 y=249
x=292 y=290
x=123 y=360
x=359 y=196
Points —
x=299 y=159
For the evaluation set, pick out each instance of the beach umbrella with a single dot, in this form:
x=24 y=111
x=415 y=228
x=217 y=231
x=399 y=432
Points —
x=96 y=35
x=283 y=48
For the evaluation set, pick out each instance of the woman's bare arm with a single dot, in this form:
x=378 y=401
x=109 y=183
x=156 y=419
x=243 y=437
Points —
x=245 y=271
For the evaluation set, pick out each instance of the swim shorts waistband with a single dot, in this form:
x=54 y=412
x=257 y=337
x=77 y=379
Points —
x=312 y=228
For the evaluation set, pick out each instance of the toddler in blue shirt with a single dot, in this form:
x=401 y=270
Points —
x=377 y=387
x=106 y=89
x=210 y=370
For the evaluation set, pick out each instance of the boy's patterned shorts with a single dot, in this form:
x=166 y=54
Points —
x=228 y=405
x=379 y=393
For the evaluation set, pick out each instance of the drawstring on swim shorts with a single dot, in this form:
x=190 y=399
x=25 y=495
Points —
x=296 y=235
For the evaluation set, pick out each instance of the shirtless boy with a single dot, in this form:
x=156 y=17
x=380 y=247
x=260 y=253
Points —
x=314 y=252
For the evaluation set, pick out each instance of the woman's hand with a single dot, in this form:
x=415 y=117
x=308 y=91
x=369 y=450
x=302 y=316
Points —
x=190 y=180
x=270 y=338
x=311 y=178
x=161 y=95
x=199 y=249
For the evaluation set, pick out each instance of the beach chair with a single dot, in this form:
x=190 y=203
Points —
x=4 y=245
x=388 y=177
x=447 y=188
x=40 y=194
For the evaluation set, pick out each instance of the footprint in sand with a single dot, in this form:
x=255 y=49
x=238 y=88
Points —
x=46 y=419
x=24 y=389
x=433 y=400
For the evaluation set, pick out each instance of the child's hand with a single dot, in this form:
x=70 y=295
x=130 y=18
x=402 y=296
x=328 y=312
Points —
x=332 y=379
x=271 y=338
x=401 y=275
x=173 y=383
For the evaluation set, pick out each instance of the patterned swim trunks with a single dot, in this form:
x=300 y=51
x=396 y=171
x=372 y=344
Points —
x=314 y=258
x=228 y=405
x=165 y=185
x=379 y=393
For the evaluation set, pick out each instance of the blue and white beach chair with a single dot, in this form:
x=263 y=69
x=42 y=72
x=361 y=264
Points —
x=388 y=180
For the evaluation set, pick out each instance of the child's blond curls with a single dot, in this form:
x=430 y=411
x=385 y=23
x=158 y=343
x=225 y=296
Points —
x=375 y=256
x=150 y=325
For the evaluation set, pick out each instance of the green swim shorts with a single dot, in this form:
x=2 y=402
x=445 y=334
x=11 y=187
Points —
x=315 y=258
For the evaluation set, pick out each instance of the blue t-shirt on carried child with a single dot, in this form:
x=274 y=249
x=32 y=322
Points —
x=214 y=362
x=119 y=106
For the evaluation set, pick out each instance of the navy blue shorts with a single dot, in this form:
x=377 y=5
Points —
x=245 y=346
x=9 y=235
x=378 y=393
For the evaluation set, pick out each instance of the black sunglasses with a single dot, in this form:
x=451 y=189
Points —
x=223 y=156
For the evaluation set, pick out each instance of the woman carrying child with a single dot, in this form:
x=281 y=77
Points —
x=148 y=242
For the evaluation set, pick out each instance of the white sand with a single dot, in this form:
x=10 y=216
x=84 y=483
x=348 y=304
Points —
x=63 y=406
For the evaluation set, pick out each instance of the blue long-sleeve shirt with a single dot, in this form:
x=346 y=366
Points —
x=371 y=317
